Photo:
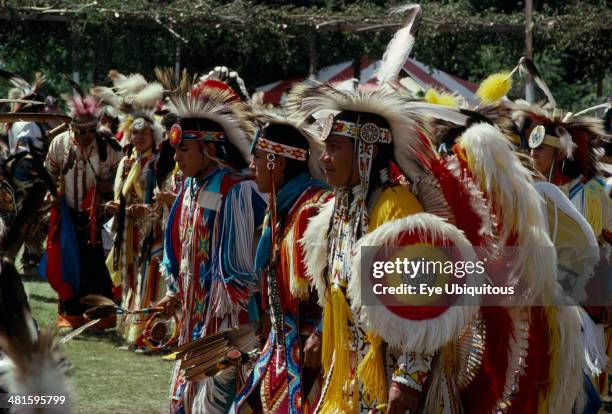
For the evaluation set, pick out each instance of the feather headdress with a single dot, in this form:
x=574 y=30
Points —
x=215 y=103
x=135 y=98
x=263 y=116
x=83 y=106
x=231 y=78
x=403 y=117
x=578 y=136
x=130 y=93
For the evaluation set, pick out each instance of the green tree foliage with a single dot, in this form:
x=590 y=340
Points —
x=269 y=40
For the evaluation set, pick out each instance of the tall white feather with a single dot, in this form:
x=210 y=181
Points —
x=400 y=46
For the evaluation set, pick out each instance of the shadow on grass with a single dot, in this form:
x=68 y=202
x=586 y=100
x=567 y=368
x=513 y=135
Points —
x=107 y=379
x=108 y=336
x=42 y=298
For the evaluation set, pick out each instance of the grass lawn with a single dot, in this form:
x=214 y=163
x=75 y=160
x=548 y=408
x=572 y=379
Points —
x=105 y=378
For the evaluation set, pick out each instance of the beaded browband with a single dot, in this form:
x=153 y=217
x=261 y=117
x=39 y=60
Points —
x=368 y=132
x=264 y=144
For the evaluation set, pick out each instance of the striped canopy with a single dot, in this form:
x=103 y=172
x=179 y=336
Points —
x=420 y=77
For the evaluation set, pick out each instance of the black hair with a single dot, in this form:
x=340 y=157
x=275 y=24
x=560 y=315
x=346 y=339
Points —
x=380 y=162
x=288 y=135
x=104 y=138
x=165 y=162
x=113 y=123
x=384 y=152
x=229 y=154
x=168 y=120
x=293 y=168
x=200 y=124
x=569 y=168
x=607 y=144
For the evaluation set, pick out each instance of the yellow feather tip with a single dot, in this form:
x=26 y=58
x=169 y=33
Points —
x=495 y=87
x=126 y=125
x=443 y=99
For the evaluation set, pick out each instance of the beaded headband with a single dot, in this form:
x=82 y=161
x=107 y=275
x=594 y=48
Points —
x=264 y=144
x=177 y=135
x=369 y=133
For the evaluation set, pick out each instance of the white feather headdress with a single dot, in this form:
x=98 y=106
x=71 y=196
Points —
x=130 y=93
x=403 y=117
x=134 y=97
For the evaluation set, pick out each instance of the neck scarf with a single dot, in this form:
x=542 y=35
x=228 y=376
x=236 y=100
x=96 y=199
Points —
x=285 y=199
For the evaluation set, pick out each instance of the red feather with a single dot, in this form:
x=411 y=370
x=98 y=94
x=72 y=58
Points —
x=487 y=387
x=458 y=196
x=214 y=84
x=534 y=384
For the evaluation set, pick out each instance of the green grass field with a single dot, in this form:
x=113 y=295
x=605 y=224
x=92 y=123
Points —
x=106 y=379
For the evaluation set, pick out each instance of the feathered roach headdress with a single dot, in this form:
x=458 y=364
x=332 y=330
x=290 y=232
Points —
x=137 y=99
x=230 y=77
x=576 y=136
x=83 y=109
x=210 y=113
x=445 y=133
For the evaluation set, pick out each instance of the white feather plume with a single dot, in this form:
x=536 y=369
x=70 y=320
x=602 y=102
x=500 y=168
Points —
x=566 y=141
x=427 y=335
x=149 y=95
x=130 y=85
x=316 y=243
x=400 y=46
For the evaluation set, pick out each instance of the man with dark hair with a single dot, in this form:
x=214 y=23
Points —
x=564 y=151
x=397 y=352
x=363 y=137
x=285 y=162
x=210 y=236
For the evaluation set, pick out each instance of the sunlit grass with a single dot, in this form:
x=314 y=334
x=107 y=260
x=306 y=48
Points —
x=106 y=379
